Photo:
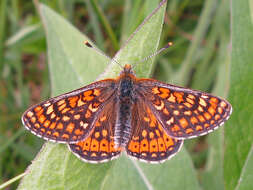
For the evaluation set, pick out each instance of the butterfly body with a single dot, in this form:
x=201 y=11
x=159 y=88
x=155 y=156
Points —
x=125 y=101
x=146 y=118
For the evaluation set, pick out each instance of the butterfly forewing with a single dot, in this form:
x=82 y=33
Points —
x=69 y=117
x=184 y=113
x=99 y=146
x=149 y=141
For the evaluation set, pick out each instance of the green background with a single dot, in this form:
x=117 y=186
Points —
x=43 y=55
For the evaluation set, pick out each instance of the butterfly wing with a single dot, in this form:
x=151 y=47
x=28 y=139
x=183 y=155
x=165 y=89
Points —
x=99 y=146
x=70 y=117
x=149 y=142
x=184 y=113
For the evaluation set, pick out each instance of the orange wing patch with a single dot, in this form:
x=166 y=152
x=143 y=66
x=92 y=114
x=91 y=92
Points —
x=67 y=118
x=153 y=144
x=186 y=114
x=99 y=146
x=156 y=149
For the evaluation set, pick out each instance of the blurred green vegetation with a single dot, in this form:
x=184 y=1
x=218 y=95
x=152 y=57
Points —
x=199 y=30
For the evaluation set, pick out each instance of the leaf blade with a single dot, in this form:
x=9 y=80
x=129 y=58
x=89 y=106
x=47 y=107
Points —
x=238 y=138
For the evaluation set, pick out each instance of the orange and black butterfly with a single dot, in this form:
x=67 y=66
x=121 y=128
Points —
x=146 y=118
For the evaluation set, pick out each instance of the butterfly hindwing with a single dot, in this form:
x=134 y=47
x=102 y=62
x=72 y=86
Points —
x=99 y=146
x=184 y=113
x=68 y=117
x=149 y=141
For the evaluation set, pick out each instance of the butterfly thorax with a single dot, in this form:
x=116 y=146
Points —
x=125 y=101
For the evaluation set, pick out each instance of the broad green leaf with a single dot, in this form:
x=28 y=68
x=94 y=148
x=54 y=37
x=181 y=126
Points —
x=69 y=58
x=124 y=175
x=238 y=136
x=140 y=44
x=212 y=177
x=246 y=177
x=177 y=173
x=134 y=13
x=131 y=18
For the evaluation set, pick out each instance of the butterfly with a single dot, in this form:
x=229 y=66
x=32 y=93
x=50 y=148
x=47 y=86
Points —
x=146 y=118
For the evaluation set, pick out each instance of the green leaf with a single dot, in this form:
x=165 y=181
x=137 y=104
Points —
x=212 y=177
x=142 y=43
x=134 y=13
x=69 y=58
x=22 y=35
x=177 y=173
x=246 y=177
x=239 y=130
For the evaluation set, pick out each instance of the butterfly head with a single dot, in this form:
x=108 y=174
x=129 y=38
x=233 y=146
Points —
x=127 y=71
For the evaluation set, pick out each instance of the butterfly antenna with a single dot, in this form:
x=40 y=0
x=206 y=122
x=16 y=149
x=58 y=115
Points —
x=100 y=52
x=154 y=54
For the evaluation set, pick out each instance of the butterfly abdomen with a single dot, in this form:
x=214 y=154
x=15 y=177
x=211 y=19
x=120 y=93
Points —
x=123 y=121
